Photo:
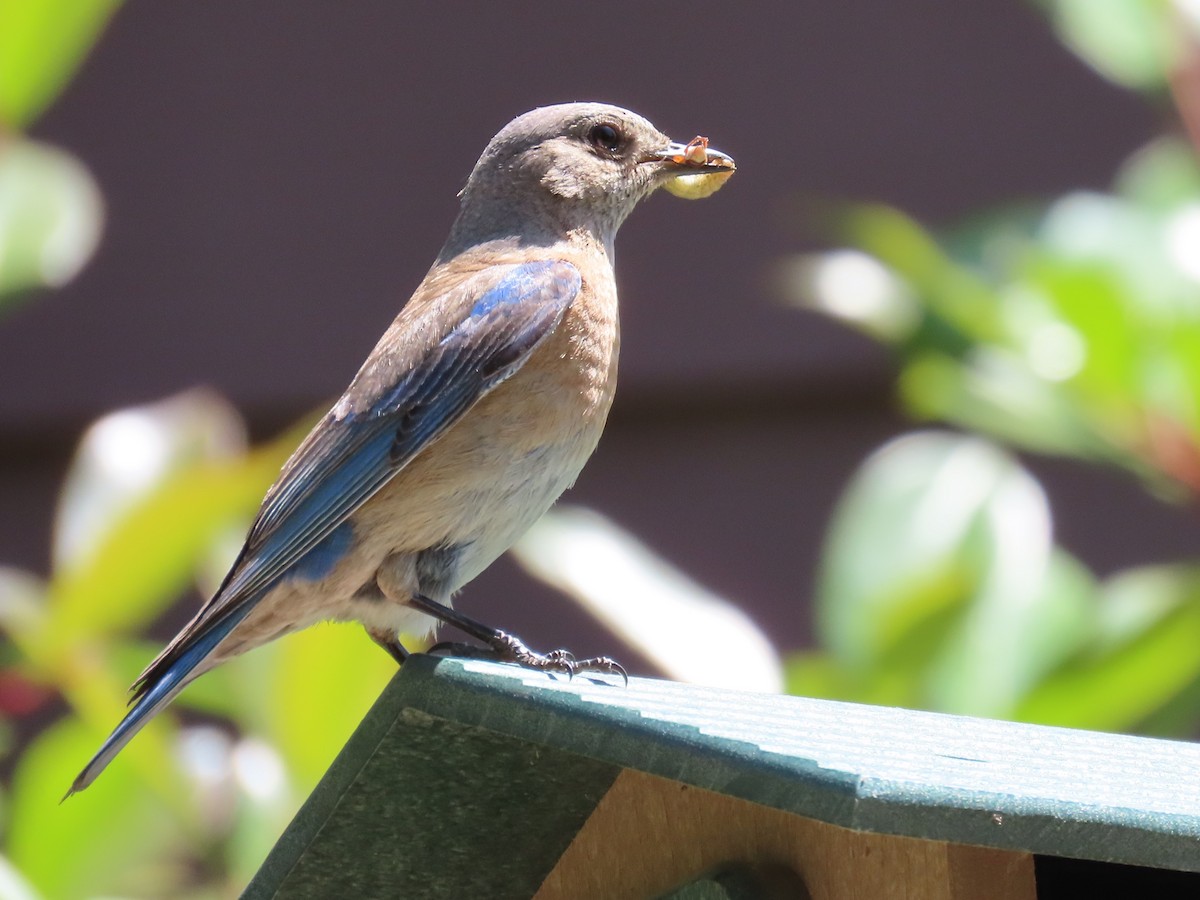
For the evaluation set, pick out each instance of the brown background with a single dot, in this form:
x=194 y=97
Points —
x=280 y=174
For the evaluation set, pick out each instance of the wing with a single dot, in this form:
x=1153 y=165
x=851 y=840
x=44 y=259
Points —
x=431 y=367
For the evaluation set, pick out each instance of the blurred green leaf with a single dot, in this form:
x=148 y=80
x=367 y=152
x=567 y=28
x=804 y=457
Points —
x=102 y=842
x=940 y=586
x=1138 y=600
x=815 y=674
x=152 y=551
x=1084 y=306
x=1125 y=240
x=819 y=674
x=317 y=685
x=22 y=604
x=1130 y=42
x=50 y=214
x=1057 y=622
x=1175 y=718
x=993 y=392
x=126 y=455
x=989 y=241
x=1161 y=175
x=960 y=308
x=914 y=535
x=1073 y=331
x=1146 y=652
x=1011 y=634
x=42 y=42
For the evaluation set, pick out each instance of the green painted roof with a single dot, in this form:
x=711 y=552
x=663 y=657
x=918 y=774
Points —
x=1047 y=790
x=1050 y=791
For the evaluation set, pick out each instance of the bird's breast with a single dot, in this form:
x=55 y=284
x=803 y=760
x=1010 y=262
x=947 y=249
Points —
x=491 y=475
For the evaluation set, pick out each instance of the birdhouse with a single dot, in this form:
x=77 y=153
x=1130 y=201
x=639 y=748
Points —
x=470 y=779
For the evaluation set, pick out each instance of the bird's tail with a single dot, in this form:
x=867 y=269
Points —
x=152 y=701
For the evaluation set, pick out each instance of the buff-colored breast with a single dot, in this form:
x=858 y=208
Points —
x=510 y=457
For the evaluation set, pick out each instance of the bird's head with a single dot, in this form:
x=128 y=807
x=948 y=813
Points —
x=586 y=165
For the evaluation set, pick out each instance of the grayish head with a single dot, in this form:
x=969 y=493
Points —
x=574 y=167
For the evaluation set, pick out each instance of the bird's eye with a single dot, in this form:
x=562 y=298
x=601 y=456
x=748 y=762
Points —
x=605 y=137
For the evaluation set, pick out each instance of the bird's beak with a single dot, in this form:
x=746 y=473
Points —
x=692 y=158
x=693 y=170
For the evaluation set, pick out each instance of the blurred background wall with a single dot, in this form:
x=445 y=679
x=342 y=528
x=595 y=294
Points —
x=278 y=175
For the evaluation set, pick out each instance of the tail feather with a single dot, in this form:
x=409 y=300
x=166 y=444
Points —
x=154 y=697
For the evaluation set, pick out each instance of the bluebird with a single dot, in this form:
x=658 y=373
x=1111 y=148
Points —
x=476 y=409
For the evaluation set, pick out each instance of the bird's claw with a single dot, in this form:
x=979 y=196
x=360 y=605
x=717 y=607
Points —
x=510 y=648
x=504 y=647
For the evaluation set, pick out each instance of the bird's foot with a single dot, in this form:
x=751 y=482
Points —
x=505 y=647
x=510 y=648
x=391 y=643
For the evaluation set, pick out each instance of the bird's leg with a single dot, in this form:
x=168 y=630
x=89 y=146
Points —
x=506 y=647
x=389 y=642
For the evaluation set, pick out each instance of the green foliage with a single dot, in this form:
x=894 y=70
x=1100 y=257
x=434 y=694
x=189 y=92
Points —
x=939 y=565
x=1132 y=42
x=177 y=798
x=942 y=589
x=1073 y=329
x=42 y=42
x=118 y=834
x=50 y=209
x=1074 y=332
x=50 y=217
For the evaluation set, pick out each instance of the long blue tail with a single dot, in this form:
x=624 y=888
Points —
x=168 y=685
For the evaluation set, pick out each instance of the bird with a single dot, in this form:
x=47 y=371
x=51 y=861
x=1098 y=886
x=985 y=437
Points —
x=476 y=409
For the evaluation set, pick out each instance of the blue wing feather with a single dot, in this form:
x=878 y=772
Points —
x=301 y=530
x=346 y=460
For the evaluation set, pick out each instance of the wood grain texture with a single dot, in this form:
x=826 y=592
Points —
x=648 y=835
